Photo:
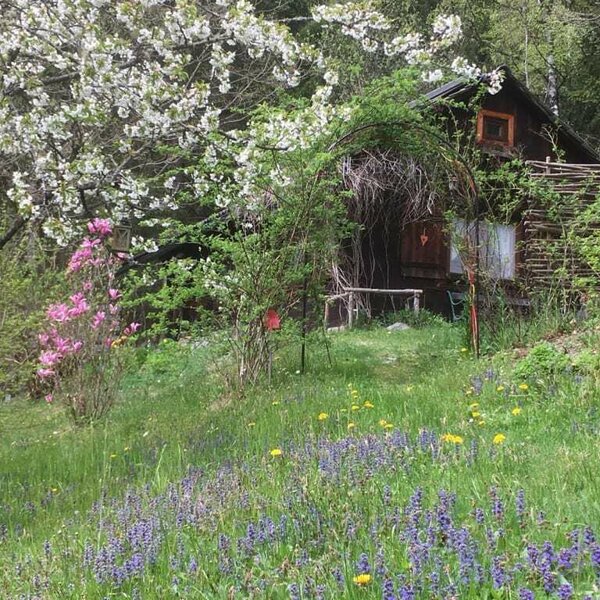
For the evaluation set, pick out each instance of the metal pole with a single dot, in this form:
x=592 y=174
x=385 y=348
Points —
x=304 y=312
x=476 y=336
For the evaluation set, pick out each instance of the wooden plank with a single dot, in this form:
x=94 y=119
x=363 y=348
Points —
x=406 y=292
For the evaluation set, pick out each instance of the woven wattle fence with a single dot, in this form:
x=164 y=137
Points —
x=550 y=257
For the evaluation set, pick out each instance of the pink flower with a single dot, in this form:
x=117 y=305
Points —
x=43 y=339
x=101 y=227
x=48 y=358
x=87 y=286
x=113 y=309
x=131 y=328
x=76 y=346
x=80 y=305
x=79 y=259
x=58 y=313
x=79 y=300
x=44 y=373
x=98 y=319
x=114 y=294
x=90 y=244
x=49 y=398
x=62 y=345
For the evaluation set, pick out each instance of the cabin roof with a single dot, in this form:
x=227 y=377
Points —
x=459 y=87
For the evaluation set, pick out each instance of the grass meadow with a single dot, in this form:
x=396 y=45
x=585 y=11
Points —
x=404 y=469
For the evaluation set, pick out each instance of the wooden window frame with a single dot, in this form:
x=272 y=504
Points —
x=481 y=139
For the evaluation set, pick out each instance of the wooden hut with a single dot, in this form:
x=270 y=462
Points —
x=415 y=252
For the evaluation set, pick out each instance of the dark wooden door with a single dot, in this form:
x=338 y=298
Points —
x=424 y=252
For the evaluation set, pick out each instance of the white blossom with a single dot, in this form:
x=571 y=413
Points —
x=433 y=76
x=94 y=93
x=494 y=81
x=447 y=28
x=462 y=67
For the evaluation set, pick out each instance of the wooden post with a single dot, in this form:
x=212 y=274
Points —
x=326 y=315
x=350 y=310
x=416 y=303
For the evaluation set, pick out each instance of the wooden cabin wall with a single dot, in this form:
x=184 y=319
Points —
x=531 y=139
x=415 y=256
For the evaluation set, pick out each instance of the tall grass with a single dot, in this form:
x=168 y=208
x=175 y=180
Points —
x=178 y=493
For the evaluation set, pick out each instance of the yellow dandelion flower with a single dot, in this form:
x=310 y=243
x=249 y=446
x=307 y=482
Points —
x=351 y=425
x=523 y=386
x=475 y=414
x=54 y=490
x=355 y=407
x=516 y=410
x=362 y=579
x=482 y=422
x=251 y=424
x=113 y=456
x=464 y=349
x=500 y=388
x=452 y=439
x=354 y=393
x=368 y=404
x=499 y=438
x=276 y=452
x=126 y=449
x=382 y=422
x=275 y=402
x=323 y=416
x=469 y=392
x=388 y=426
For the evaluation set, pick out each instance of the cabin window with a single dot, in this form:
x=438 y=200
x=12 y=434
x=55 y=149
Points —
x=495 y=128
x=497 y=248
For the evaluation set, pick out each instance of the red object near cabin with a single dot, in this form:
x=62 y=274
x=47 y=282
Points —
x=272 y=320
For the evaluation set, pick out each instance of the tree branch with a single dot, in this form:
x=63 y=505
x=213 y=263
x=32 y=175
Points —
x=12 y=231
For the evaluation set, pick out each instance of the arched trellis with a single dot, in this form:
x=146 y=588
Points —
x=454 y=158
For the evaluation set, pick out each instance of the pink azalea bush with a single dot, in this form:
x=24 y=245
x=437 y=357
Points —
x=78 y=359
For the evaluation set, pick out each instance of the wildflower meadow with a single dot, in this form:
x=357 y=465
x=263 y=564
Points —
x=397 y=472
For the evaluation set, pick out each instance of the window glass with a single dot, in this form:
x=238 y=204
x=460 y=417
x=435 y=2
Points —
x=495 y=129
x=456 y=247
x=496 y=243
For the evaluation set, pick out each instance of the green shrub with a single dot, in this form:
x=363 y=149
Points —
x=543 y=361
x=28 y=285
x=169 y=357
x=587 y=362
